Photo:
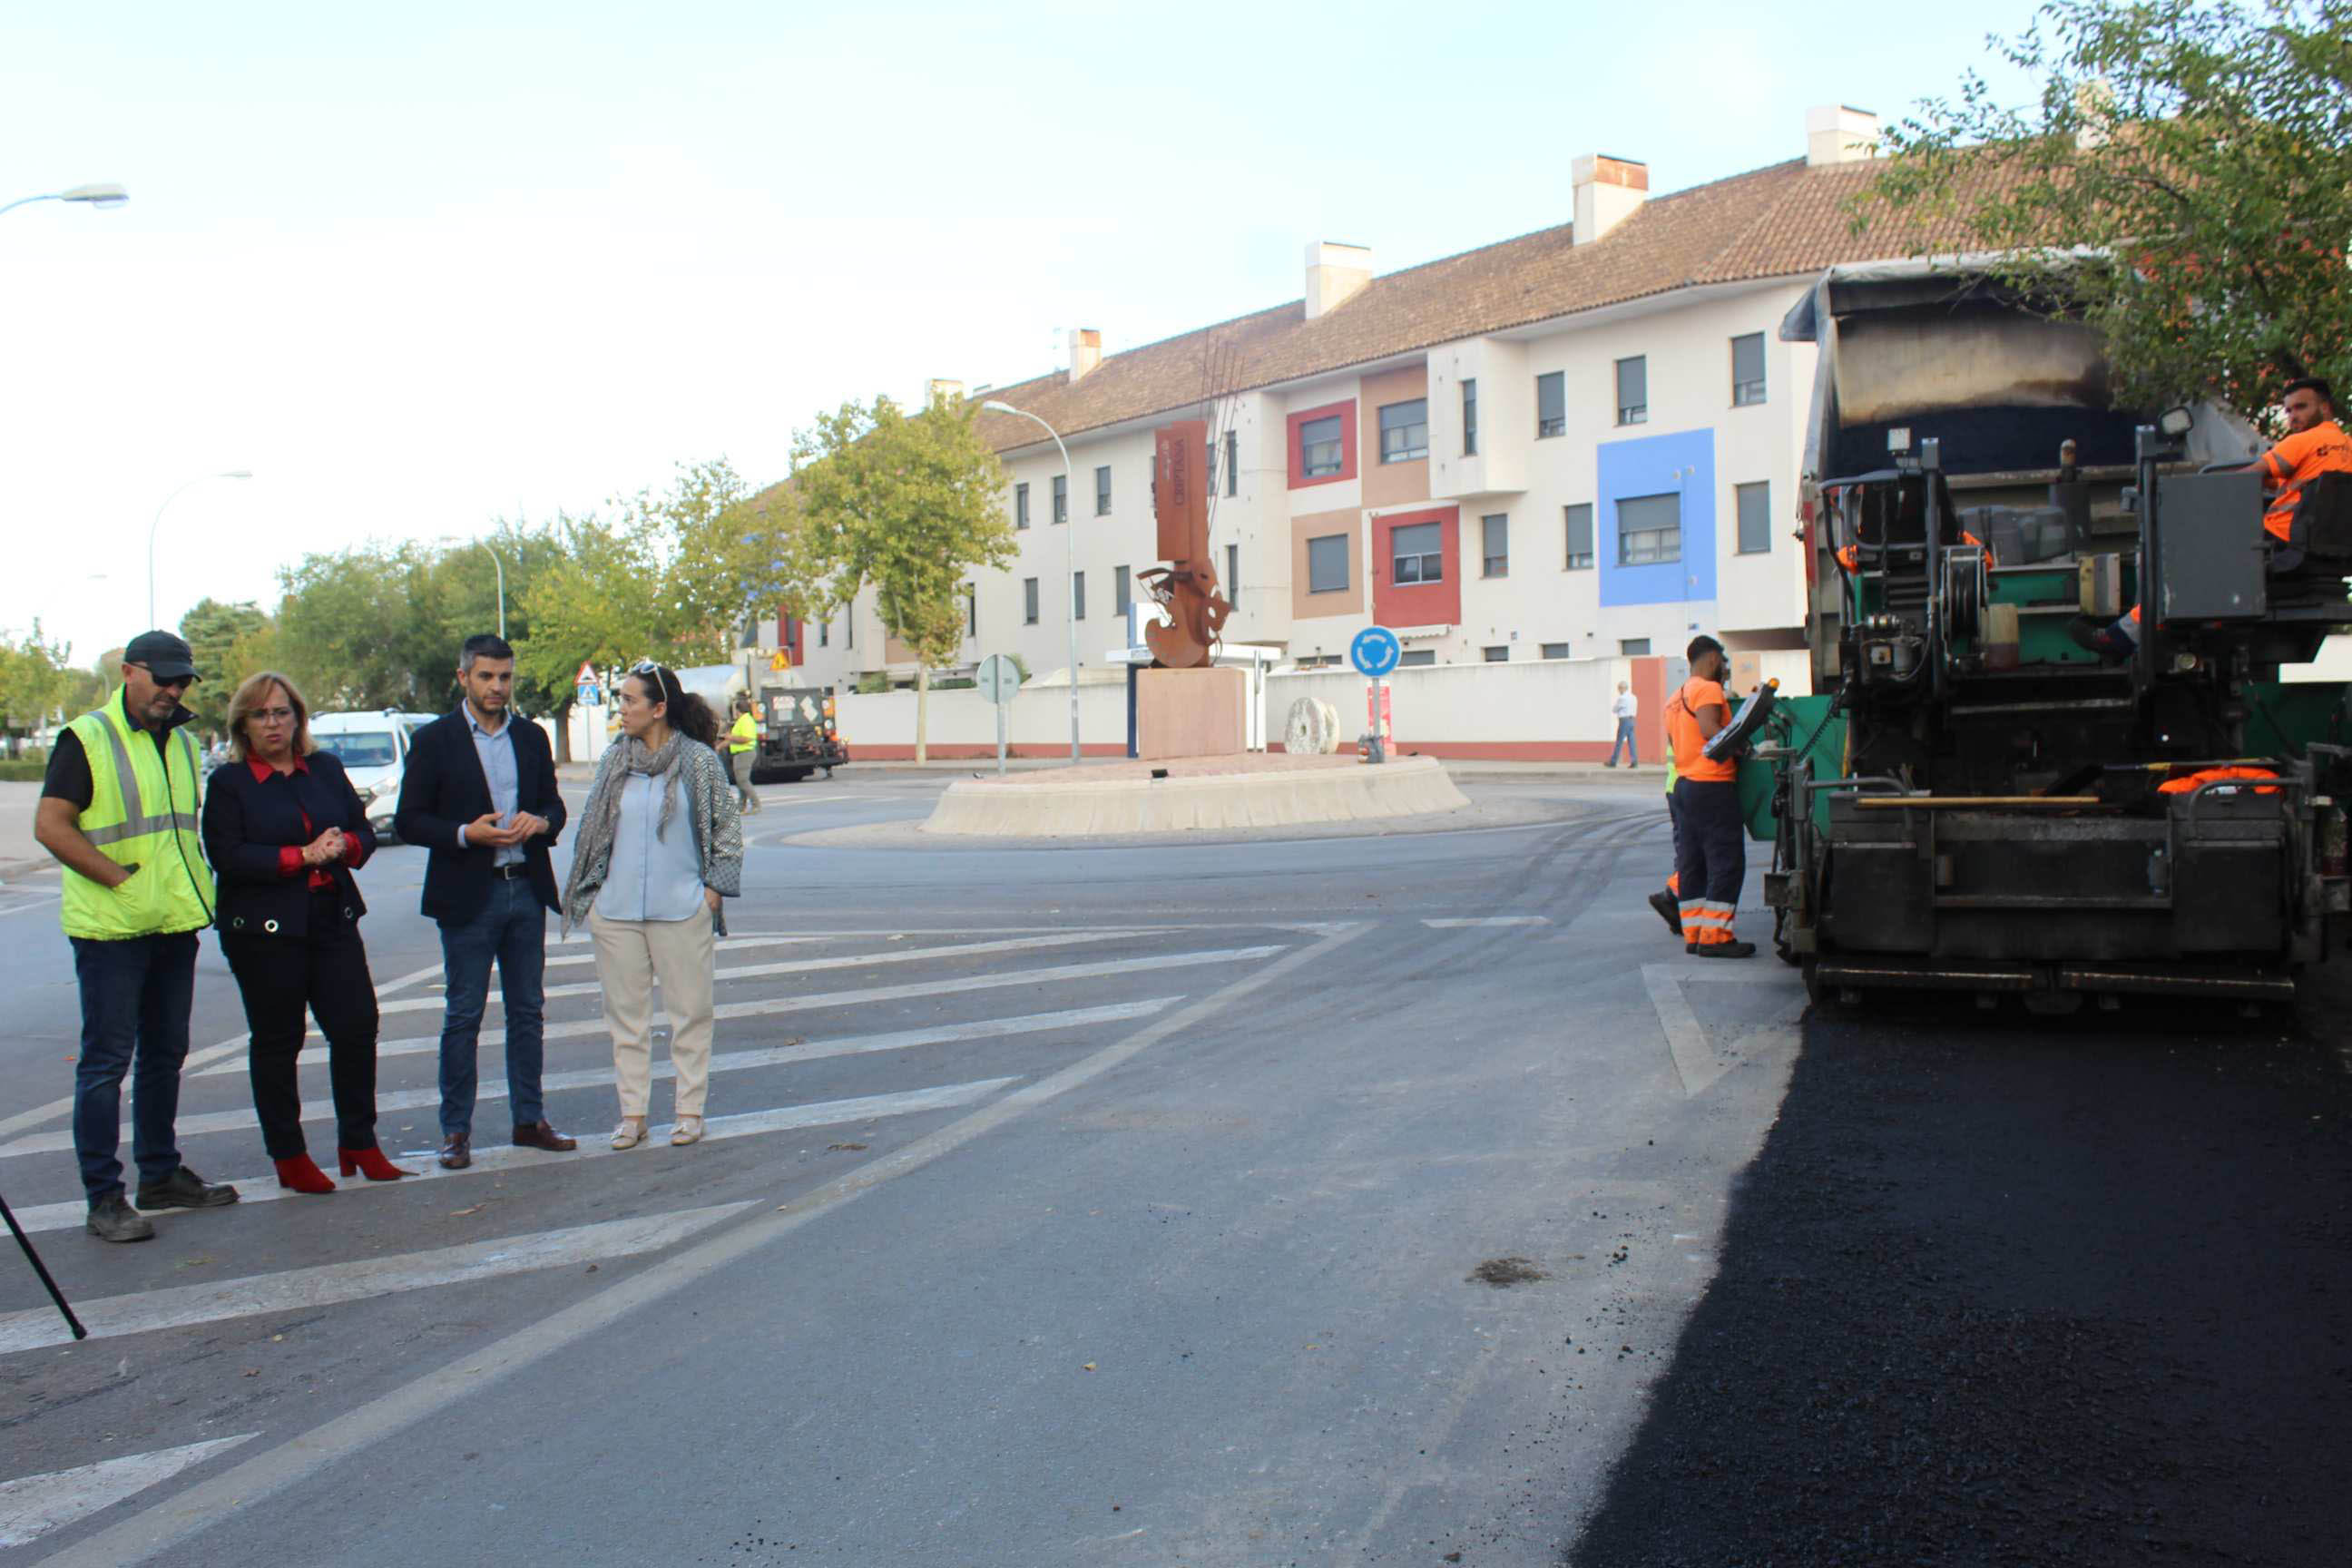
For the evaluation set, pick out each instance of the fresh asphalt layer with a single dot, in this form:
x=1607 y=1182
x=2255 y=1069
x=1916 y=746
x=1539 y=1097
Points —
x=1138 y=1203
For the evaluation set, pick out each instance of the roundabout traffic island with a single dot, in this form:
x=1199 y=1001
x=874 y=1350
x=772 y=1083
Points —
x=1181 y=794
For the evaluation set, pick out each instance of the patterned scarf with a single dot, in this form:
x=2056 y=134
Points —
x=592 y=844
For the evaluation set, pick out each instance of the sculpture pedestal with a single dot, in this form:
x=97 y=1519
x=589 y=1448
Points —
x=1189 y=713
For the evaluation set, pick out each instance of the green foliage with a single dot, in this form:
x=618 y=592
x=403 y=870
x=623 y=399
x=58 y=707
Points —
x=911 y=504
x=34 y=680
x=2183 y=184
x=872 y=683
x=213 y=631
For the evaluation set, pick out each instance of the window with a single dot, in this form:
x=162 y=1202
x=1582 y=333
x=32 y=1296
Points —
x=1078 y=596
x=1632 y=647
x=825 y=634
x=849 y=626
x=1102 y=492
x=1233 y=575
x=1404 y=430
x=1469 y=418
x=1232 y=463
x=1579 y=536
x=1497 y=530
x=1634 y=391
x=970 y=610
x=1416 y=657
x=1418 y=550
x=1021 y=506
x=1327 y=563
x=1551 y=404
x=1498 y=653
x=1649 y=530
x=1029 y=600
x=1555 y=650
x=1318 y=448
x=1122 y=593
x=1755 y=503
x=1747 y=370
x=1061 y=498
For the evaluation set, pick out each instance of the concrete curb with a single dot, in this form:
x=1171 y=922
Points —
x=1053 y=807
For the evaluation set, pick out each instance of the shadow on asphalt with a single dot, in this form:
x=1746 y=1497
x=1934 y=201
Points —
x=2016 y=1291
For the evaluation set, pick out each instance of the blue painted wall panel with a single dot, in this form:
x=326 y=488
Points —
x=1684 y=463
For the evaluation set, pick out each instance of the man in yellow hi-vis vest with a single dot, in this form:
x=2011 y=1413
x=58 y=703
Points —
x=118 y=810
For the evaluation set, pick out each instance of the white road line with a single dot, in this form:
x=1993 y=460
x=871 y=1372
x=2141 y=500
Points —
x=500 y=1157
x=768 y=800
x=388 y=1101
x=179 y=1306
x=1458 y=923
x=151 y=1530
x=725 y=945
x=36 y=902
x=1697 y=1062
x=32 y=1506
x=813 y=965
x=407 y=980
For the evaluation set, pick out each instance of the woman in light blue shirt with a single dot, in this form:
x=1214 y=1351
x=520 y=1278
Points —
x=657 y=847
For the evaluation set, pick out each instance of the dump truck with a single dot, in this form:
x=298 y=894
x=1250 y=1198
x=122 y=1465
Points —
x=1969 y=799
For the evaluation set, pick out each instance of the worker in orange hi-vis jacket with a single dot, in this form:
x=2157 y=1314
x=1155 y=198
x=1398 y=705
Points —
x=2315 y=445
x=1713 y=860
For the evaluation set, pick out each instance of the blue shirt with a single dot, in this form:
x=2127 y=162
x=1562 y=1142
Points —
x=653 y=875
x=494 y=748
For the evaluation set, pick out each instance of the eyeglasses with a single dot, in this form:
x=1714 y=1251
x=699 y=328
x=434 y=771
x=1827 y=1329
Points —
x=272 y=715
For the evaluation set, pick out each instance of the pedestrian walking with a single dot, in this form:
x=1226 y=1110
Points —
x=1625 y=707
x=660 y=843
x=479 y=792
x=285 y=830
x=118 y=811
x=1712 y=860
x=742 y=749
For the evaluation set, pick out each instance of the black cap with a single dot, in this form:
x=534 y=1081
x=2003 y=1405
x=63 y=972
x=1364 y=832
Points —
x=165 y=655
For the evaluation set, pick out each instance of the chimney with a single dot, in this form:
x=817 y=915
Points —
x=1086 y=351
x=1837 y=134
x=937 y=389
x=1334 y=274
x=2094 y=112
x=1608 y=192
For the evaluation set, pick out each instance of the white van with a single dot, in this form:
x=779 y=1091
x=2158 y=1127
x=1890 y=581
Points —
x=372 y=748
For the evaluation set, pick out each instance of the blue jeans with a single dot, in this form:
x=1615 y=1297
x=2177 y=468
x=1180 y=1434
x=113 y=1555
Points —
x=510 y=930
x=1624 y=743
x=135 y=997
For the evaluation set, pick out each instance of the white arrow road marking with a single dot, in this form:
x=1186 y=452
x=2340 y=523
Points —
x=32 y=1506
x=1697 y=1062
x=507 y=1157
x=813 y=965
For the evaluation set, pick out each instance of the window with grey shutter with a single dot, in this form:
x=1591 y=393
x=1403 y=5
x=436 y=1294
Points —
x=1755 y=503
x=1122 y=593
x=1634 y=391
x=1555 y=650
x=1632 y=647
x=1417 y=554
x=1470 y=418
x=1021 y=506
x=1416 y=657
x=1232 y=463
x=1495 y=531
x=1327 y=563
x=1102 y=492
x=1233 y=575
x=1319 y=447
x=1061 y=498
x=1551 y=404
x=1580 y=535
x=1029 y=600
x=1404 y=430
x=970 y=610
x=1498 y=653
x=1649 y=530
x=1747 y=370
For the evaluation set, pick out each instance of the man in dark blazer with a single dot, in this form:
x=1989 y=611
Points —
x=479 y=793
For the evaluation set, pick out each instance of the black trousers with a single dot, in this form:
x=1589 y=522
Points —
x=285 y=979
x=1712 y=857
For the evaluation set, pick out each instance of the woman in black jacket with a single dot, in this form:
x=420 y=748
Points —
x=284 y=830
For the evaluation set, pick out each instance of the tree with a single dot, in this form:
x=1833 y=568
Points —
x=2183 y=184
x=213 y=631
x=909 y=503
x=33 y=680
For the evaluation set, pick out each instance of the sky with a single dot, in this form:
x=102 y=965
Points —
x=421 y=267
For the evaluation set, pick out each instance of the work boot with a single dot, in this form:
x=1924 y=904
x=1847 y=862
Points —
x=184 y=1189
x=1733 y=949
x=111 y=1219
x=1668 y=911
x=2100 y=638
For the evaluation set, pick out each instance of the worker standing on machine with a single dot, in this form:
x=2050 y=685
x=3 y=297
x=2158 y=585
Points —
x=1711 y=859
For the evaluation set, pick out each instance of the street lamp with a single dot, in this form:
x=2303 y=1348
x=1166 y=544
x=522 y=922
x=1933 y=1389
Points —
x=200 y=479
x=452 y=539
x=104 y=196
x=1070 y=541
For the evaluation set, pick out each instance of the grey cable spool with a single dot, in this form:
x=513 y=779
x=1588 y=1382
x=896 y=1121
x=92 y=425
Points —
x=1312 y=730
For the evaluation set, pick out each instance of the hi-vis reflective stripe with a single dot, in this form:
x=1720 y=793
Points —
x=142 y=825
x=126 y=777
x=137 y=820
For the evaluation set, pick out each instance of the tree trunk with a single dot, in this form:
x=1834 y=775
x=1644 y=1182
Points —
x=564 y=733
x=922 y=710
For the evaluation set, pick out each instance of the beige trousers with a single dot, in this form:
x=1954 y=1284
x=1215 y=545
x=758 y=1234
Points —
x=630 y=956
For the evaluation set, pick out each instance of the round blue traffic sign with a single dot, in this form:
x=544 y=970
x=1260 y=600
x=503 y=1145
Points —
x=1375 y=651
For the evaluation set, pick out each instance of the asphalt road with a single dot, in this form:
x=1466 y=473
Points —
x=1069 y=1205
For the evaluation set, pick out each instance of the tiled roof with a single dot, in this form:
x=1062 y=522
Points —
x=1782 y=221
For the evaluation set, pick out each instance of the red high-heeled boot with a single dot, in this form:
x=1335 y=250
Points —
x=303 y=1175
x=371 y=1163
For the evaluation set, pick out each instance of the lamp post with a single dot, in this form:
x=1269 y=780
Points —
x=103 y=198
x=502 y=587
x=200 y=479
x=1070 y=558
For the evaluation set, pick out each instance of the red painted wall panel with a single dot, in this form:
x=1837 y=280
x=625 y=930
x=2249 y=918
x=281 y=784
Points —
x=1346 y=412
x=1417 y=604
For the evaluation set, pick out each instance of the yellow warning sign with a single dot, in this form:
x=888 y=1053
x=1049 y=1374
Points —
x=779 y=661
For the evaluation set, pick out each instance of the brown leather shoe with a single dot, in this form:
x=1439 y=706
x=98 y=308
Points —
x=457 y=1152
x=542 y=1135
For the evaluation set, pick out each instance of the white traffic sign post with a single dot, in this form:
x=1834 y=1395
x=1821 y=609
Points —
x=1375 y=652
x=998 y=678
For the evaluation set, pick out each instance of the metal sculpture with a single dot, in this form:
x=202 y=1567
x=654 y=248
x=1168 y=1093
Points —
x=1186 y=588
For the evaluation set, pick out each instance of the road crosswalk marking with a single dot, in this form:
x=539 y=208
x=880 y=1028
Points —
x=499 y=1157
x=1462 y=922
x=32 y=1506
